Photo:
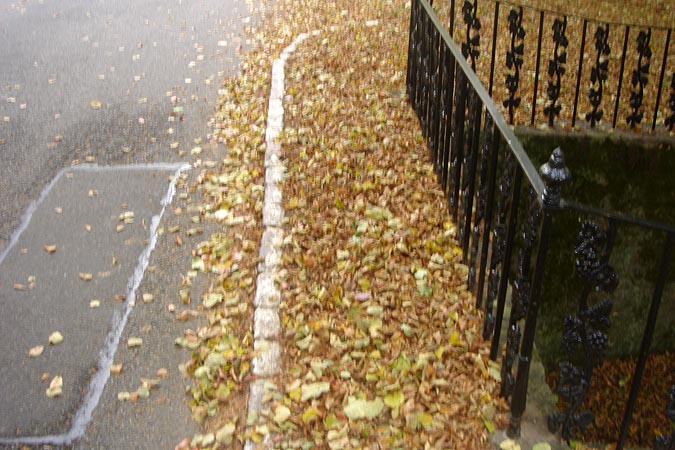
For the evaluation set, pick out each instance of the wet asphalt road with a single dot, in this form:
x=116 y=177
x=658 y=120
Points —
x=146 y=62
x=110 y=82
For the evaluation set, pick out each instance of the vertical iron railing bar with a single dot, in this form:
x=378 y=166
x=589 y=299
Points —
x=536 y=70
x=527 y=293
x=452 y=18
x=663 y=72
x=447 y=144
x=464 y=172
x=471 y=175
x=426 y=91
x=493 y=156
x=434 y=103
x=440 y=109
x=623 y=62
x=494 y=48
x=506 y=263
x=509 y=136
x=411 y=46
x=457 y=149
x=647 y=337
x=519 y=396
x=581 y=63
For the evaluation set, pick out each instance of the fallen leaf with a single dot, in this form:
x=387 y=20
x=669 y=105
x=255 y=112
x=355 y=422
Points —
x=134 y=342
x=86 y=276
x=50 y=248
x=363 y=409
x=55 y=338
x=36 y=351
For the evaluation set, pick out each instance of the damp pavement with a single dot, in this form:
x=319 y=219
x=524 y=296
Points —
x=102 y=104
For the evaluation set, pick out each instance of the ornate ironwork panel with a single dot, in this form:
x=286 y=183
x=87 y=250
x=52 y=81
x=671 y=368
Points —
x=670 y=120
x=639 y=77
x=556 y=69
x=521 y=292
x=667 y=442
x=498 y=241
x=584 y=338
x=598 y=74
x=514 y=59
x=471 y=47
x=469 y=171
x=481 y=201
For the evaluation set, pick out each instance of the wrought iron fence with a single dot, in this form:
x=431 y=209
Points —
x=566 y=70
x=503 y=206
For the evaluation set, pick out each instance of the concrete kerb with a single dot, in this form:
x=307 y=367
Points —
x=266 y=320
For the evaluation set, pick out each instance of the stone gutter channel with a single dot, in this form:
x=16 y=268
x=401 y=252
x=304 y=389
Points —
x=266 y=321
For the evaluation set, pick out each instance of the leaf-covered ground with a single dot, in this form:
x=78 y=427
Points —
x=381 y=341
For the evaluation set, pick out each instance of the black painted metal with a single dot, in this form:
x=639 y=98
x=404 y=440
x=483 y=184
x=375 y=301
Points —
x=624 y=52
x=640 y=77
x=503 y=279
x=492 y=176
x=663 y=72
x=451 y=102
x=555 y=174
x=499 y=240
x=556 y=69
x=480 y=223
x=670 y=120
x=514 y=60
x=536 y=69
x=668 y=442
x=647 y=336
x=598 y=74
x=469 y=176
x=495 y=27
x=584 y=335
x=471 y=47
x=521 y=295
x=457 y=147
x=579 y=71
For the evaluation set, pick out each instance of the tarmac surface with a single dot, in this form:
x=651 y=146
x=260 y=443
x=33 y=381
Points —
x=129 y=86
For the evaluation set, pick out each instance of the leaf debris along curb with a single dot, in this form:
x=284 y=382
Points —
x=266 y=321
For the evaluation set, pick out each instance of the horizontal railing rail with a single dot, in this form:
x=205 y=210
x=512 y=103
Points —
x=505 y=211
x=625 y=65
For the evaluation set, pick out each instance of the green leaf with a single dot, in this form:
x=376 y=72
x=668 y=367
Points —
x=490 y=427
x=394 y=399
x=541 y=446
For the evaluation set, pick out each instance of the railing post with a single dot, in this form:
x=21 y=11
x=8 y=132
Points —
x=554 y=173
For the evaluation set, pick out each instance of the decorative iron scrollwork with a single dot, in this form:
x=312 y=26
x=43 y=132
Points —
x=498 y=241
x=521 y=292
x=481 y=200
x=584 y=338
x=514 y=59
x=667 y=442
x=670 y=120
x=640 y=77
x=556 y=69
x=471 y=48
x=598 y=74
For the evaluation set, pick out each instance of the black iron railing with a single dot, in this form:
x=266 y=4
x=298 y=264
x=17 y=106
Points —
x=483 y=170
x=566 y=54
